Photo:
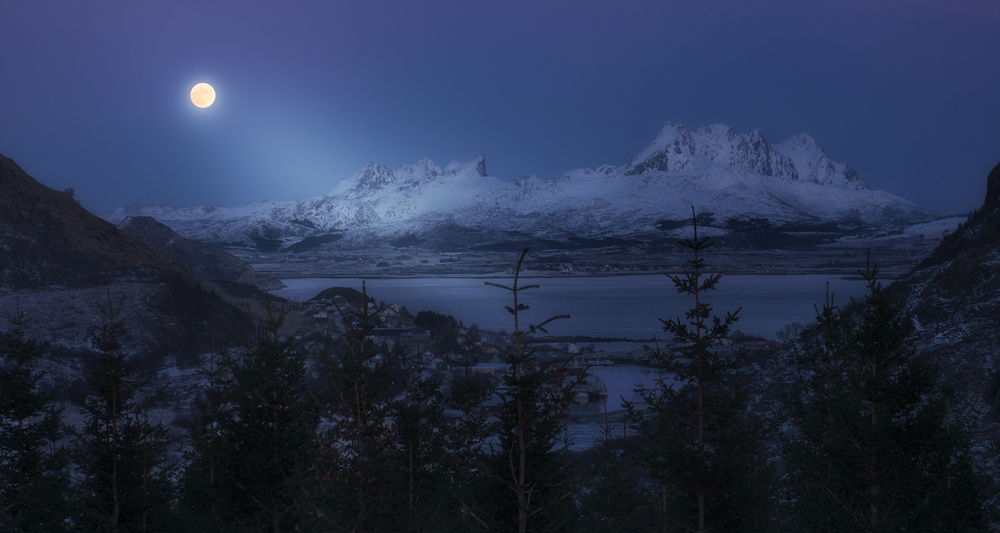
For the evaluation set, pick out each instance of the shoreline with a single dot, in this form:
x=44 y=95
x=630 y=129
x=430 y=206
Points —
x=849 y=275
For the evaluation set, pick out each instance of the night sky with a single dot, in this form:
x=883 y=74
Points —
x=94 y=95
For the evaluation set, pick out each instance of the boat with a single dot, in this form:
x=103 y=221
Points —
x=598 y=389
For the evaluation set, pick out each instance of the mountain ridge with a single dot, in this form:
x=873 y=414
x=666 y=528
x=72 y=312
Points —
x=735 y=176
x=40 y=226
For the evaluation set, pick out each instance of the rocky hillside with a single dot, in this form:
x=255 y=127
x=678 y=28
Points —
x=48 y=241
x=954 y=298
x=60 y=264
x=733 y=179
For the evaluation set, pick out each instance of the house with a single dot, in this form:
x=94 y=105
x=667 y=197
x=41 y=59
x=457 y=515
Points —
x=389 y=336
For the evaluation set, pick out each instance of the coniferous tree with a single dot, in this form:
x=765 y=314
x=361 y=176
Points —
x=703 y=448
x=33 y=468
x=466 y=444
x=266 y=433
x=614 y=499
x=530 y=465
x=385 y=460
x=422 y=452
x=204 y=483
x=355 y=483
x=125 y=482
x=875 y=446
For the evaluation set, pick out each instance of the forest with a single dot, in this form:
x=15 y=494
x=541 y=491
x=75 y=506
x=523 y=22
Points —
x=862 y=437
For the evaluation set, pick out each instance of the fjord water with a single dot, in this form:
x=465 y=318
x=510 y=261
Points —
x=601 y=306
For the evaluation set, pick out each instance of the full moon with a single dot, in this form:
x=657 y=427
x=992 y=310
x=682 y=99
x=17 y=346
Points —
x=202 y=95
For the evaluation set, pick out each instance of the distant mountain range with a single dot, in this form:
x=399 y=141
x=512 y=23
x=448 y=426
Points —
x=732 y=180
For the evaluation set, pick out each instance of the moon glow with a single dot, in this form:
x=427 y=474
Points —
x=202 y=95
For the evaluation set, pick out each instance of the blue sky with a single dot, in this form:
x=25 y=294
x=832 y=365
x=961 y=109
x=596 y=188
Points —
x=94 y=95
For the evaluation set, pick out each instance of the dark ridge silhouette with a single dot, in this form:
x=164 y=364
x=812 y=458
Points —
x=49 y=244
x=49 y=240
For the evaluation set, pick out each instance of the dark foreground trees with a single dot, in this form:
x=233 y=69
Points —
x=124 y=481
x=702 y=447
x=33 y=471
x=203 y=484
x=384 y=458
x=533 y=477
x=875 y=445
x=358 y=440
x=354 y=476
x=255 y=437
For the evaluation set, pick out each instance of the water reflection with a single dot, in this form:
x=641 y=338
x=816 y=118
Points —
x=591 y=421
x=622 y=382
x=614 y=306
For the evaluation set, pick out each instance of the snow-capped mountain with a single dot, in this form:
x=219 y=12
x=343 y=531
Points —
x=734 y=177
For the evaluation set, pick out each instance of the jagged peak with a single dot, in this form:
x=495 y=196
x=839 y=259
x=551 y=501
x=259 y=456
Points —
x=422 y=168
x=672 y=130
x=676 y=149
x=374 y=176
x=753 y=154
x=754 y=145
x=672 y=150
x=371 y=176
x=801 y=141
x=670 y=134
x=478 y=163
x=714 y=142
x=754 y=135
x=814 y=165
x=716 y=131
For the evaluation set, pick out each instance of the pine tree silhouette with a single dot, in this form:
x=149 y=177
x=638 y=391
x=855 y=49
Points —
x=33 y=468
x=701 y=445
x=125 y=481
x=536 y=480
x=875 y=446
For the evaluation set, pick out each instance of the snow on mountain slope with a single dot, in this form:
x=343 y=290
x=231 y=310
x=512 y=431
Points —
x=714 y=169
x=812 y=164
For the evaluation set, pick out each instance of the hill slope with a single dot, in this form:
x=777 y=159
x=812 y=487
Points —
x=48 y=240
x=954 y=298
x=60 y=264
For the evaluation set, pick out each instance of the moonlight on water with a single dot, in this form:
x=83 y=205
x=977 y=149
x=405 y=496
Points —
x=202 y=95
